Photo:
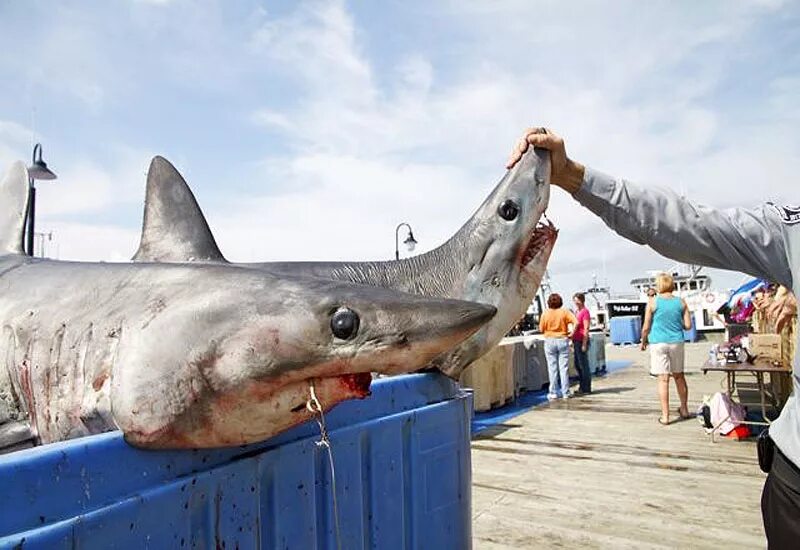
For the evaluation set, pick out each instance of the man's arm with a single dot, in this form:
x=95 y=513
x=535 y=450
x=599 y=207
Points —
x=751 y=241
x=744 y=240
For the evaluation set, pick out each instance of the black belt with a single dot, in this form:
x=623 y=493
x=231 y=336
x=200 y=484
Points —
x=785 y=470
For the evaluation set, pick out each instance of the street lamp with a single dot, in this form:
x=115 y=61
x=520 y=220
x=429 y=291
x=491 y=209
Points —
x=38 y=170
x=410 y=241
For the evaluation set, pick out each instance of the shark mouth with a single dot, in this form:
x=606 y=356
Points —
x=356 y=384
x=334 y=389
x=544 y=235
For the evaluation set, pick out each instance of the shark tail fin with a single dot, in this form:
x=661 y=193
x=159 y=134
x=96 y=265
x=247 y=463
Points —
x=174 y=228
x=14 y=196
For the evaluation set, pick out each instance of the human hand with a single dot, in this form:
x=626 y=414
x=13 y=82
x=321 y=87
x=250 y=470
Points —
x=584 y=347
x=564 y=172
x=782 y=309
x=643 y=345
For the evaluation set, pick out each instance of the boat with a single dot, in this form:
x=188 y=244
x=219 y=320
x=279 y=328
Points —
x=690 y=284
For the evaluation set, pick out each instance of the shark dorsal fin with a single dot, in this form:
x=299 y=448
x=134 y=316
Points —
x=13 y=206
x=174 y=228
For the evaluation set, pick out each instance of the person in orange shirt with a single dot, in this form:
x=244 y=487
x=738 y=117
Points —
x=557 y=325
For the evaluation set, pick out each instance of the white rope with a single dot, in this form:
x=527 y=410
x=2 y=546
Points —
x=315 y=408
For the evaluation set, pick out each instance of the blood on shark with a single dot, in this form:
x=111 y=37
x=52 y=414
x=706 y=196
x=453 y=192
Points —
x=201 y=354
x=498 y=257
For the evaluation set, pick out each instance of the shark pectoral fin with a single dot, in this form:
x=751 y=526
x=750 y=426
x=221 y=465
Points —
x=174 y=228
x=14 y=204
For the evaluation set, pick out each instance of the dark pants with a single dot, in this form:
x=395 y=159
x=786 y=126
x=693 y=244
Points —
x=582 y=366
x=780 y=504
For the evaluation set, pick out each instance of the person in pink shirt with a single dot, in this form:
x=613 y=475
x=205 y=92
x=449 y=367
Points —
x=580 y=343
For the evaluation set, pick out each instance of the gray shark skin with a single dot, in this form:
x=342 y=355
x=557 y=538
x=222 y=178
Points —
x=192 y=355
x=497 y=258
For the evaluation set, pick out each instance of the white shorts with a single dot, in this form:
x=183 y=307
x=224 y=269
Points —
x=666 y=358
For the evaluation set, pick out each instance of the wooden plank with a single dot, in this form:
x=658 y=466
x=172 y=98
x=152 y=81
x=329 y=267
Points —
x=600 y=472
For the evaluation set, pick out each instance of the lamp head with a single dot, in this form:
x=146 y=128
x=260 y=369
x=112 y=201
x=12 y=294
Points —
x=38 y=169
x=410 y=241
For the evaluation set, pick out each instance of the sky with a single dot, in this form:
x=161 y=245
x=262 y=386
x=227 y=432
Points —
x=309 y=130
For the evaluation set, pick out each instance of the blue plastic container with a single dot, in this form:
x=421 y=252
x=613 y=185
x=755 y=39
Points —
x=597 y=352
x=403 y=475
x=691 y=334
x=626 y=329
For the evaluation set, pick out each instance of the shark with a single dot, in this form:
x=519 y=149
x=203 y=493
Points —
x=498 y=257
x=194 y=354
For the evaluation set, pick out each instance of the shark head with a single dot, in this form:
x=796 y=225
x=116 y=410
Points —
x=506 y=246
x=233 y=361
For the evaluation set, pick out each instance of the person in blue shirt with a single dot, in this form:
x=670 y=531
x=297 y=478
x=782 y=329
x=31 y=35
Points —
x=665 y=319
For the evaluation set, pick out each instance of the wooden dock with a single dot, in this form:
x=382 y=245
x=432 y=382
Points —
x=600 y=472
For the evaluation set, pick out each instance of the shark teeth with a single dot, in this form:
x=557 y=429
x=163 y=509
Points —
x=543 y=235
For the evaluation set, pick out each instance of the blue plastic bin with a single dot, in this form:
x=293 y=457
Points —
x=626 y=329
x=691 y=334
x=403 y=475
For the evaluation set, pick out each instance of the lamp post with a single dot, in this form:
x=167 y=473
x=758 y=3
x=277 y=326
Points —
x=38 y=170
x=410 y=241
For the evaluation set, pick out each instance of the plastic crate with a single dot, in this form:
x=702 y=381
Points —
x=537 y=365
x=491 y=378
x=403 y=476
x=530 y=365
x=519 y=359
x=626 y=329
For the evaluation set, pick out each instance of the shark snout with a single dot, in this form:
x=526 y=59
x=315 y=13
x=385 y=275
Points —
x=476 y=315
x=454 y=317
x=435 y=331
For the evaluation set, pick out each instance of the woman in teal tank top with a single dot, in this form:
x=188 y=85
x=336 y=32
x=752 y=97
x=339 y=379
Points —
x=665 y=319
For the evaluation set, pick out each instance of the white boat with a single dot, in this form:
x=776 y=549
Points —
x=690 y=284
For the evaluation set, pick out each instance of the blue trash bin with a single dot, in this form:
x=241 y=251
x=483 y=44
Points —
x=402 y=467
x=625 y=329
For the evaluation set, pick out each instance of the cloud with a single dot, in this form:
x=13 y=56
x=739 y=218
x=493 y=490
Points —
x=330 y=210
x=309 y=130
x=14 y=140
x=317 y=43
x=643 y=113
x=82 y=241
x=85 y=193
x=85 y=188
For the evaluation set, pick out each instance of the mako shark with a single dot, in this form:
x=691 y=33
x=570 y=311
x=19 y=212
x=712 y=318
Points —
x=498 y=257
x=192 y=355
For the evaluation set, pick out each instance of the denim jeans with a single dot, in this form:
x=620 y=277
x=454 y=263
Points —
x=582 y=366
x=556 y=350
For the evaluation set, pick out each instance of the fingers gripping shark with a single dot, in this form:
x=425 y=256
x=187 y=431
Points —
x=181 y=355
x=497 y=258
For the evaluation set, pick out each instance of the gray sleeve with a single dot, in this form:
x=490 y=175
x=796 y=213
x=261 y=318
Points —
x=751 y=241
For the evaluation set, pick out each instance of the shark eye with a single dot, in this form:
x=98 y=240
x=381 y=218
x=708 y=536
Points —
x=508 y=210
x=344 y=323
